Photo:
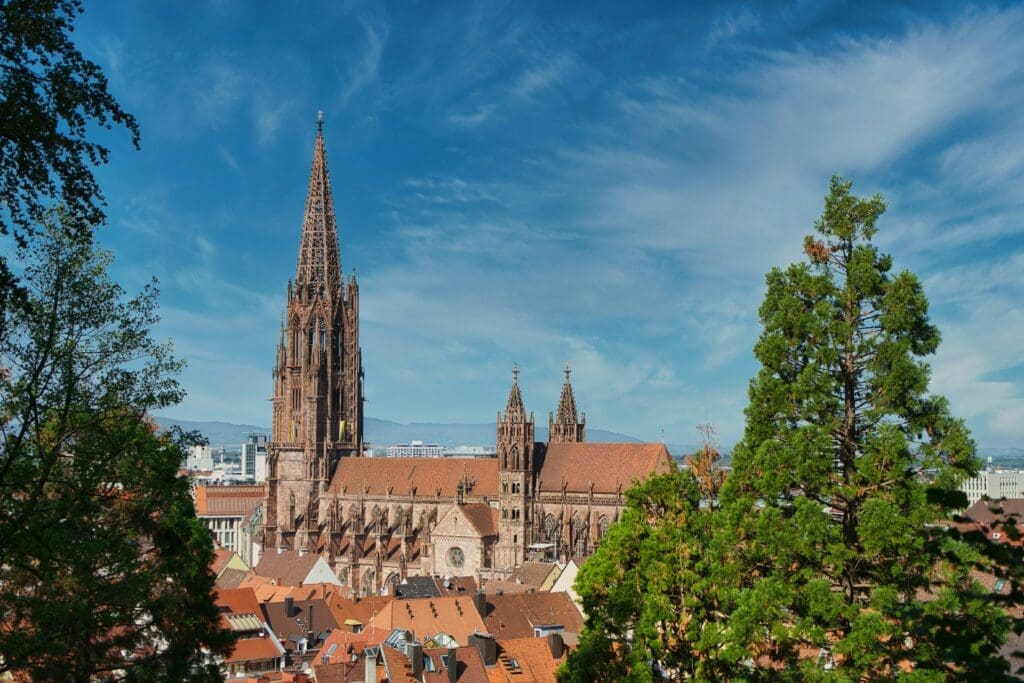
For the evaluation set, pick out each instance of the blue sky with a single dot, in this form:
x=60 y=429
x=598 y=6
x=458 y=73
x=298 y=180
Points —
x=604 y=183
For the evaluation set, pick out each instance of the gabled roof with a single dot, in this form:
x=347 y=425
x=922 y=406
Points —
x=232 y=578
x=426 y=617
x=339 y=672
x=605 y=466
x=349 y=642
x=289 y=566
x=535 y=573
x=238 y=601
x=515 y=615
x=227 y=501
x=311 y=616
x=254 y=649
x=483 y=517
x=469 y=666
x=533 y=656
x=418 y=587
x=422 y=477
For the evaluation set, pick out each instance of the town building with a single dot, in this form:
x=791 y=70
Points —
x=415 y=449
x=994 y=483
x=254 y=457
x=198 y=458
x=377 y=521
x=224 y=509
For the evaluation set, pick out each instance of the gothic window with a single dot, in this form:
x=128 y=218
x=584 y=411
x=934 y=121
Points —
x=515 y=513
x=504 y=487
x=367 y=584
x=323 y=340
x=343 y=575
x=291 y=509
x=456 y=558
x=515 y=487
x=551 y=529
x=391 y=581
x=579 y=536
x=602 y=525
x=375 y=519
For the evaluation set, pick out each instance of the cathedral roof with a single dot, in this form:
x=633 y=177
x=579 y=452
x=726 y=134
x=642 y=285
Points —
x=422 y=477
x=606 y=466
x=483 y=517
x=319 y=265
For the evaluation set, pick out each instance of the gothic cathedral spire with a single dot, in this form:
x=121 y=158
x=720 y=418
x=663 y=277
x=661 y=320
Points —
x=565 y=428
x=318 y=377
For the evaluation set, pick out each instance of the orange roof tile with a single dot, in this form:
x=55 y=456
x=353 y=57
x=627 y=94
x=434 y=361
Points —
x=420 y=477
x=427 y=617
x=483 y=517
x=515 y=615
x=606 y=466
x=533 y=655
x=229 y=501
x=254 y=649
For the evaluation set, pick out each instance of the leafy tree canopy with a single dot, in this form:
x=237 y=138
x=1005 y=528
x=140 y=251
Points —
x=103 y=563
x=49 y=96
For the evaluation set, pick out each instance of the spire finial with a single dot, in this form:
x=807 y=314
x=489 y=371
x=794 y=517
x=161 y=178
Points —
x=567 y=371
x=515 y=372
x=320 y=121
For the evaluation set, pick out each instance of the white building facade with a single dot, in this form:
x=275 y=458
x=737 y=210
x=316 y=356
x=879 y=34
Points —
x=995 y=484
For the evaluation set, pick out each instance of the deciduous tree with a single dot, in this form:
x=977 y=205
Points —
x=103 y=564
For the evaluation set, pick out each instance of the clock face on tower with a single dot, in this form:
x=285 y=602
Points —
x=455 y=558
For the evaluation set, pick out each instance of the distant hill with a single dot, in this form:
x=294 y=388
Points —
x=382 y=433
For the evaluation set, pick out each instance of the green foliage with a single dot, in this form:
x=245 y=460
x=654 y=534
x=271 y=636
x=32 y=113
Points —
x=49 y=97
x=829 y=557
x=103 y=564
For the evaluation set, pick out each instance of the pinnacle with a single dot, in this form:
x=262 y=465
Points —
x=567 y=402
x=514 y=410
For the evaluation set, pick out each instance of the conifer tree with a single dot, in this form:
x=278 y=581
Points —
x=846 y=470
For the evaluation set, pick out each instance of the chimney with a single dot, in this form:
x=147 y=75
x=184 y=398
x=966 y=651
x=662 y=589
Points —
x=453 y=666
x=484 y=642
x=289 y=607
x=414 y=651
x=309 y=617
x=370 y=664
x=556 y=645
x=480 y=600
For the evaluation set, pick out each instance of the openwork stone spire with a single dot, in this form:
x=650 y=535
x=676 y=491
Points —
x=514 y=409
x=566 y=427
x=567 y=403
x=319 y=265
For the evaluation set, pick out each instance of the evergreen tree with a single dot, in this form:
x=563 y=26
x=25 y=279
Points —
x=833 y=512
x=104 y=567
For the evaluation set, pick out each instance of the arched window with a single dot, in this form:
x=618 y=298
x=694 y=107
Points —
x=367 y=583
x=291 y=510
x=579 y=536
x=602 y=525
x=391 y=581
x=551 y=529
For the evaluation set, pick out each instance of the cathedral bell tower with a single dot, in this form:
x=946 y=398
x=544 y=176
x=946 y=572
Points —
x=515 y=480
x=318 y=375
x=565 y=428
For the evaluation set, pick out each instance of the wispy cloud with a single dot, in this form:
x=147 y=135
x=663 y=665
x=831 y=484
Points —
x=364 y=70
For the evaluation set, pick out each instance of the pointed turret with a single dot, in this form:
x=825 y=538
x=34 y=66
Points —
x=565 y=427
x=319 y=266
x=514 y=409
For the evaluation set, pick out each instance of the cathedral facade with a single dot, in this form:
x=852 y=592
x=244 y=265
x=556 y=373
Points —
x=377 y=520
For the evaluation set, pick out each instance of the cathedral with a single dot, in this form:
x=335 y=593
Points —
x=378 y=520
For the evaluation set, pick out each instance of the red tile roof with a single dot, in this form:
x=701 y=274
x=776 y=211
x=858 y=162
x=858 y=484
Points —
x=228 y=501
x=421 y=477
x=289 y=566
x=254 y=649
x=606 y=466
x=515 y=615
x=427 y=617
x=469 y=666
x=238 y=601
x=340 y=672
x=483 y=517
x=533 y=655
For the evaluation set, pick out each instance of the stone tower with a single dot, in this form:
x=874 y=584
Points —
x=515 y=480
x=318 y=376
x=565 y=428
